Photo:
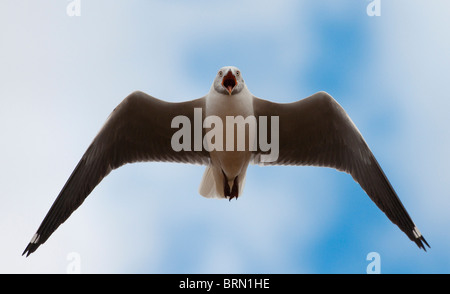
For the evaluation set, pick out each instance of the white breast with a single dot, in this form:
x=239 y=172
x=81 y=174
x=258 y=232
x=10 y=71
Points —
x=232 y=163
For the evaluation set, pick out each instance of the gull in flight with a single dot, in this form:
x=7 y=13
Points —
x=314 y=131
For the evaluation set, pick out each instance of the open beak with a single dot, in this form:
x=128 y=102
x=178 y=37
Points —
x=229 y=82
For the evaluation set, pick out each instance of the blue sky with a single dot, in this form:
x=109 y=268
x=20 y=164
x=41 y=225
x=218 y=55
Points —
x=61 y=76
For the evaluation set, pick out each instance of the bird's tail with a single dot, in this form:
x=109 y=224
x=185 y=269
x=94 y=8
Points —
x=215 y=184
x=208 y=186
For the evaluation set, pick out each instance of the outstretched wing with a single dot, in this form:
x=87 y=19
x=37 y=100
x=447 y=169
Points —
x=139 y=129
x=317 y=131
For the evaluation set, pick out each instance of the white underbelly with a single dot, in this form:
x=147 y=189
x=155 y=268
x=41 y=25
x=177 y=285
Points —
x=234 y=157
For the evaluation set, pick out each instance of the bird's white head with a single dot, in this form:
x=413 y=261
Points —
x=229 y=81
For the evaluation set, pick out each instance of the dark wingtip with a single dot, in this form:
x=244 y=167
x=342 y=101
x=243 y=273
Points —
x=27 y=250
x=30 y=249
x=420 y=241
x=425 y=241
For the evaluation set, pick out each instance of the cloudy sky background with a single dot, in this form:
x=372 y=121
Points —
x=61 y=76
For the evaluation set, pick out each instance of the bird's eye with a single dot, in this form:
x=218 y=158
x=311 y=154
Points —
x=238 y=73
x=220 y=73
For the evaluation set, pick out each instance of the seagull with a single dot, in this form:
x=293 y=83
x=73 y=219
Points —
x=314 y=131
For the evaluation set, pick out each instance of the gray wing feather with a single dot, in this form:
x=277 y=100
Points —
x=139 y=129
x=317 y=131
